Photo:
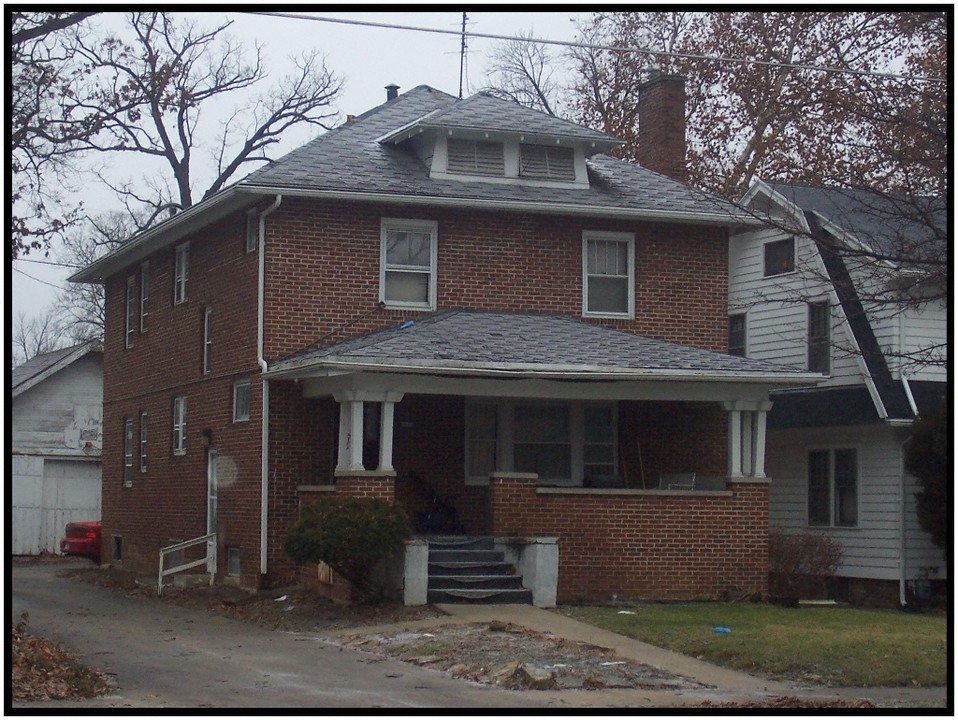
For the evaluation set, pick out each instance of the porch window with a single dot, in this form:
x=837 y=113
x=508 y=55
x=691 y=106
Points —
x=833 y=488
x=481 y=434
x=598 y=442
x=543 y=443
x=608 y=277
x=408 y=263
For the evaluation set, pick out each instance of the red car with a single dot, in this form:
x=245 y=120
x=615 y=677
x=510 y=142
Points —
x=83 y=539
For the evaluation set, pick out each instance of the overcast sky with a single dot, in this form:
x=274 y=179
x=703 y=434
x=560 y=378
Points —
x=367 y=58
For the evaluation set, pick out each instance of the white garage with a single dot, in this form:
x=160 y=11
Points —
x=56 y=433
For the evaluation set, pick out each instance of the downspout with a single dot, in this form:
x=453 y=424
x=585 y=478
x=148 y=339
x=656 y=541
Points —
x=263 y=367
x=902 y=578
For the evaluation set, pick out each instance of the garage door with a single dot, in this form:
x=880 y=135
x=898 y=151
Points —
x=47 y=494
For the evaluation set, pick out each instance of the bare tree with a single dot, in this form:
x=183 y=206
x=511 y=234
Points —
x=525 y=72
x=45 y=126
x=153 y=90
x=36 y=335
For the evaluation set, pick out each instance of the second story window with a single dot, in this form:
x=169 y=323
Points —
x=144 y=296
x=475 y=157
x=546 y=162
x=252 y=237
x=779 y=257
x=736 y=334
x=207 y=339
x=819 y=338
x=241 y=401
x=608 y=277
x=128 y=452
x=179 y=425
x=181 y=274
x=130 y=310
x=408 y=263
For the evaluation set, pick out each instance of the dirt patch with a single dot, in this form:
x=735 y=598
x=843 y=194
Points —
x=793 y=702
x=292 y=609
x=511 y=657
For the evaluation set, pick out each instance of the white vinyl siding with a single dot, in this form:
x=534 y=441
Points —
x=475 y=157
x=408 y=263
x=872 y=548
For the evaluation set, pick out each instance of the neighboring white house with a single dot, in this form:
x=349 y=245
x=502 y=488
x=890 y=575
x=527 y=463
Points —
x=835 y=452
x=56 y=430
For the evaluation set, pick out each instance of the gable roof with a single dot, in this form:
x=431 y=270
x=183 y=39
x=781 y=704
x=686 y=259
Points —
x=39 y=368
x=358 y=161
x=898 y=227
x=457 y=342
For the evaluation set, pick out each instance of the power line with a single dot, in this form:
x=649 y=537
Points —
x=610 y=48
x=44 y=282
x=49 y=262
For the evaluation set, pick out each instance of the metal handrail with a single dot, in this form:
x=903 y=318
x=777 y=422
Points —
x=209 y=560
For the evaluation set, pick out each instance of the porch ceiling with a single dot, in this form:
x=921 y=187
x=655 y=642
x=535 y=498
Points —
x=529 y=355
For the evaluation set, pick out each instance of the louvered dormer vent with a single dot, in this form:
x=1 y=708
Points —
x=475 y=157
x=545 y=162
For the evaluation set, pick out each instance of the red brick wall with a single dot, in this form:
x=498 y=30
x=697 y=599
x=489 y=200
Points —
x=644 y=546
x=323 y=272
x=327 y=255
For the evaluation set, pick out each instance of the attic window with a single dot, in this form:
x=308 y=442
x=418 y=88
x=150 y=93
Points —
x=475 y=157
x=546 y=162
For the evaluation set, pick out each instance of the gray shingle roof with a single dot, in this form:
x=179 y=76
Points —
x=351 y=158
x=460 y=339
x=39 y=364
x=893 y=225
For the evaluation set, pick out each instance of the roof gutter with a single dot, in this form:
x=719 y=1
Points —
x=553 y=372
x=264 y=369
x=511 y=205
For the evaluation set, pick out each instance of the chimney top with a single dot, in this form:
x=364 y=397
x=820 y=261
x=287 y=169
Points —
x=661 y=141
x=392 y=91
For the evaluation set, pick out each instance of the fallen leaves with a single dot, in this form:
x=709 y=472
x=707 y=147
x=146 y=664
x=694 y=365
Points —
x=44 y=671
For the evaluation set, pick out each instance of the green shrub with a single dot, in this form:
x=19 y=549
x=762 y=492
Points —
x=928 y=458
x=351 y=535
x=800 y=562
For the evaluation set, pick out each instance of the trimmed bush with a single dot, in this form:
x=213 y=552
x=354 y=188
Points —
x=349 y=534
x=927 y=457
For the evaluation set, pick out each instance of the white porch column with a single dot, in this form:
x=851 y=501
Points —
x=355 y=443
x=760 y=418
x=344 y=424
x=386 y=430
x=747 y=445
x=734 y=439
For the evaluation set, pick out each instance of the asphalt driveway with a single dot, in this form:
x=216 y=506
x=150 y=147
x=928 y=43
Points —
x=165 y=656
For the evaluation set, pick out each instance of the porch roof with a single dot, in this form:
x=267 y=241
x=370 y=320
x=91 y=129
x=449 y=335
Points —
x=498 y=344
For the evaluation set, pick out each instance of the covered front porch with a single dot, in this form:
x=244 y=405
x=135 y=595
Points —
x=651 y=480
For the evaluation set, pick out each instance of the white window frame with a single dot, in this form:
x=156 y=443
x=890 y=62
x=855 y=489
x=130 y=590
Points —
x=765 y=271
x=143 y=440
x=404 y=224
x=181 y=274
x=207 y=339
x=130 y=311
x=744 y=316
x=832 y=493
x=237 y=417
x=144 y=295
x=827 y=344
x=589 y=236
x=179 y=425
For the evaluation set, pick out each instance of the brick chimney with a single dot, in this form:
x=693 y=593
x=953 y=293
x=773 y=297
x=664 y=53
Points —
x=662 y=125
x=392 y=91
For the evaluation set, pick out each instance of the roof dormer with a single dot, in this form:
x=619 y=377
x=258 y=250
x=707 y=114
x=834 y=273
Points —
x=487 y=139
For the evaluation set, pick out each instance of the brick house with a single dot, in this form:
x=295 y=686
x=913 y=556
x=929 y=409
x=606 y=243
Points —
x=456 y=299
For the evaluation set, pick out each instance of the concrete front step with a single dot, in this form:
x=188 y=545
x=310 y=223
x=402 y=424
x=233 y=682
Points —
x=471 y=568
x=459 y=542
x=472 y=556
x=479 y=596
x=472 y=582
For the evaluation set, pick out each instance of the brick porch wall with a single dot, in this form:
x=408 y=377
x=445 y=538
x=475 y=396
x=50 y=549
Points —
x=643 y=544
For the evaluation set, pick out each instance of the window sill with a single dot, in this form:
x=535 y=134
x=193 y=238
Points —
x=609 y=315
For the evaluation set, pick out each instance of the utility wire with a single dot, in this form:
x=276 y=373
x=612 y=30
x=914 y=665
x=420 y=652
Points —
x=44 y=282
x=49 y=262
x=611 y=48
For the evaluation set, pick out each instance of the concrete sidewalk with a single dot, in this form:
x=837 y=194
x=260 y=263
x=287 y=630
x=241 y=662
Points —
x=724 y=685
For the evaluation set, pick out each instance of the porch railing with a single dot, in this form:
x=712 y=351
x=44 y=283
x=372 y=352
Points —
x=209 y=559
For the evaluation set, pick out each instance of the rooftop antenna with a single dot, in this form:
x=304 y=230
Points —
x=462 y=53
